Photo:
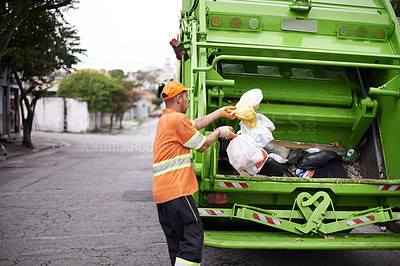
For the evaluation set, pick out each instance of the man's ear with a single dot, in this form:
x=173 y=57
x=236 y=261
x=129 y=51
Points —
x=179 y=98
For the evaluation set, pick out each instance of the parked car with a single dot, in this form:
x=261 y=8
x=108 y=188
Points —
x=156 y=113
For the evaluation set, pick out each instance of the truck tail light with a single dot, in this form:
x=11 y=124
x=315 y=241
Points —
x=379 y=33
x=216 y=21
x=362 y=31
x=235 y=22
x=254 y=23
x=218 y=197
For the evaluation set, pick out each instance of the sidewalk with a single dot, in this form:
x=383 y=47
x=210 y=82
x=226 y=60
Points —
x=14 y=147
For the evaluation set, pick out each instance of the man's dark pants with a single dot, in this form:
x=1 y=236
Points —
x=180 y=221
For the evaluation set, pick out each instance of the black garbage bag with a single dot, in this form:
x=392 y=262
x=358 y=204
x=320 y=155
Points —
x=316 y=159
x=273 y=168
x=334 y=169
x=294 y=156
x=223 y=145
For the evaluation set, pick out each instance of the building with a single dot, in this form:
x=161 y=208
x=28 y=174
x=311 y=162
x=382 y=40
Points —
x=10 y=120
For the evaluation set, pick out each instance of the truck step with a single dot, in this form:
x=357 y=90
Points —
x=284 y=240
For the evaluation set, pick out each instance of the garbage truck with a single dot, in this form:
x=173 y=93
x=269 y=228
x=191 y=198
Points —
x=329 y=72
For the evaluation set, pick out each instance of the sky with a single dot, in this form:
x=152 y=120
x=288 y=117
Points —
x=126 y=34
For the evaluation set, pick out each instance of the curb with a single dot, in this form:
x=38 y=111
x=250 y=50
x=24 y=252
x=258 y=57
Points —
x=38 y=150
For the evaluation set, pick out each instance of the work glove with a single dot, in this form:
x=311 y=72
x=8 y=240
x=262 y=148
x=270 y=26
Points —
x=226 y=112
x=226 y=133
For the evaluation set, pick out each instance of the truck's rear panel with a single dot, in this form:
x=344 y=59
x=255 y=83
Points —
x=329 y=73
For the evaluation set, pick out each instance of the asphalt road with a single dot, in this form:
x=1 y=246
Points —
x=90 y=203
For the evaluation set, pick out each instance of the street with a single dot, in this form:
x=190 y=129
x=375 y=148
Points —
x=90 y=203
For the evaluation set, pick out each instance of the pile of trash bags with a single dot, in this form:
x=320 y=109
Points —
x=246 y=151
x=252 y=150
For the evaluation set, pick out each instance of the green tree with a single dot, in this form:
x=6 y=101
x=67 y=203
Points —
x=157 y=101
x=103 y=93
x=124 y=100
x=121 y=102
x=117 y=74
x=42 y=43
x=14 y=12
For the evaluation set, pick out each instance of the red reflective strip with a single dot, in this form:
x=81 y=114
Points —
x=385 y=188
x=269 y=220
x=255 y=216
x=211 y=212
x=358 y=221
x=229 y=184
x=233 y=185
x=397 y=188
x=244 y=185
x=371 y=217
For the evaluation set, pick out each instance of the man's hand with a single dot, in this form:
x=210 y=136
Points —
x=226 y=112
x=226 y=133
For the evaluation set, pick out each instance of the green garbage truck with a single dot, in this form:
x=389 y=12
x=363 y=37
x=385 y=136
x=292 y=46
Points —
x=329 y=72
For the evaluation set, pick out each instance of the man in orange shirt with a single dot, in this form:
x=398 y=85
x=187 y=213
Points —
x=174 y=177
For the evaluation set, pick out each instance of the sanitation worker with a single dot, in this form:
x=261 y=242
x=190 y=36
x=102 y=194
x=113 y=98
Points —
x=174 y=177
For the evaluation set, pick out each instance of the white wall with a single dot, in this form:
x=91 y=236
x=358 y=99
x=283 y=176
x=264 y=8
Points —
x=77 y=115
x=49 y=115
x=141 y=109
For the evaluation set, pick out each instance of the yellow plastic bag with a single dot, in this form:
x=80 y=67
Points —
x=247 y=114
x=247 y=105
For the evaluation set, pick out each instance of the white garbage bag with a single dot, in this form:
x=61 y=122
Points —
x=244 y=154
x=265 y=121
x=261 y=133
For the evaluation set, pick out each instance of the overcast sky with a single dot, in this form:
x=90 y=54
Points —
x=126 y=34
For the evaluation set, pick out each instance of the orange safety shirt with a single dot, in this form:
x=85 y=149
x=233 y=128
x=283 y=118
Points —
x=174 y=176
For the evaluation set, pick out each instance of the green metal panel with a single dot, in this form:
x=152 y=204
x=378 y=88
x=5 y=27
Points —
x=275 y=200
x=284 y=240
x=313 y=218
x=369 y=187
x=372 y=4
x=295 y=90
x=389 y=123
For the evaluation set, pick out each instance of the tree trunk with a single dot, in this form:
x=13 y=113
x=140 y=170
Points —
x=27 y=124
x=28 y=120
x=111 y=122
x=120 y=122
x=96 y=127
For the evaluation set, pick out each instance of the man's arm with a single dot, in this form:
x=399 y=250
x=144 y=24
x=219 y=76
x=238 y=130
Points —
x=204 y=121
x=209 y=140
x=222 y=132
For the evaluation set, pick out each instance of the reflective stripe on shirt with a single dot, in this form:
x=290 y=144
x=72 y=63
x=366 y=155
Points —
x=175 y=163
x=196 y=141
